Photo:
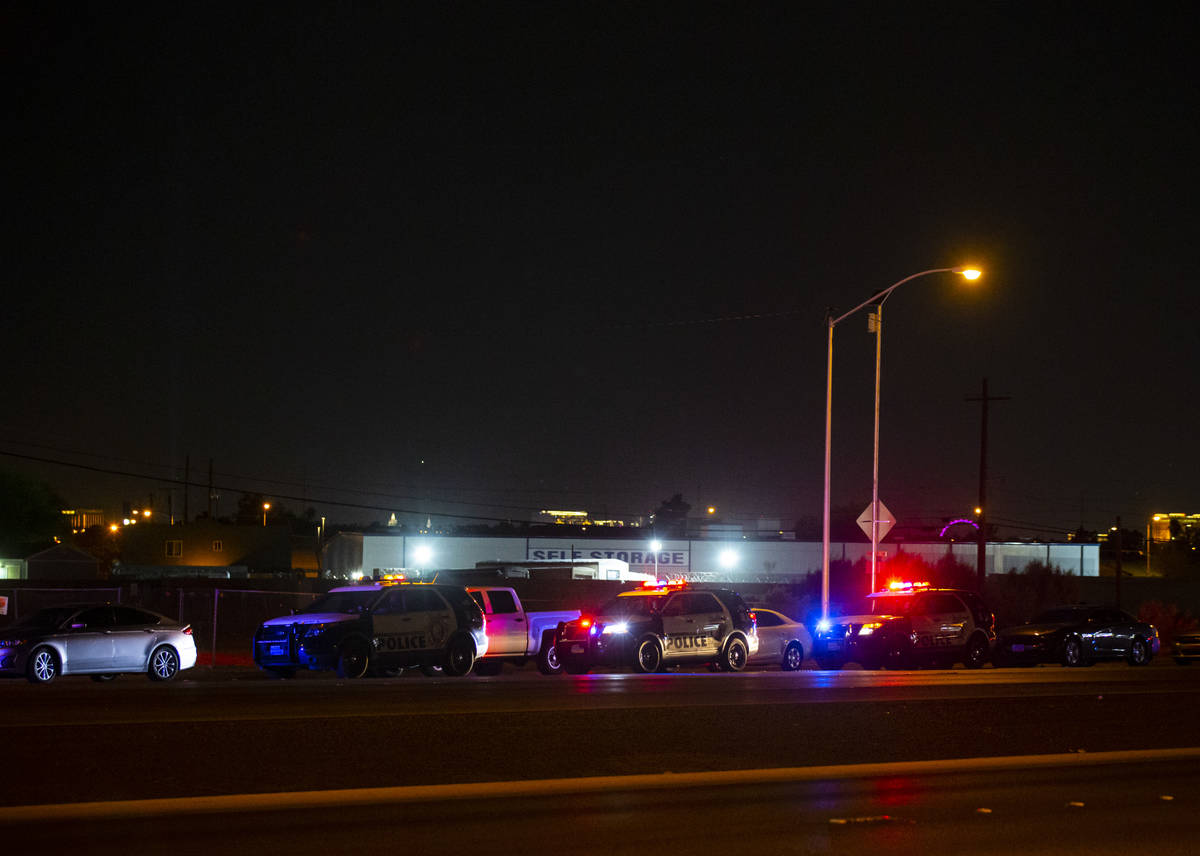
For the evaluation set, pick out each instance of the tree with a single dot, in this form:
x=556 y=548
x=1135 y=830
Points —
x=30 y=515
x=670 y=520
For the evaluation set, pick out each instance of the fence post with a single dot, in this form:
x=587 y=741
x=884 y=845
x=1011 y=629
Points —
x=216 y=596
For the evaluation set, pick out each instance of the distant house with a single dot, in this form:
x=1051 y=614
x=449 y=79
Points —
x=207 y=544
x=61 y=562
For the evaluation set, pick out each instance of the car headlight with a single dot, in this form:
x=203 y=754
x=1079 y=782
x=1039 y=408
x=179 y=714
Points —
x=618 y=627
x=868 y=629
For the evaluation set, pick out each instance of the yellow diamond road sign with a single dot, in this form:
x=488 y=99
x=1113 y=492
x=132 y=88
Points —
x=886 y=521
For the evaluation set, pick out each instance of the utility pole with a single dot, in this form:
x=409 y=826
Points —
x=981 y=537
x=1118 y=547
x=211 y=495
x=187 y=470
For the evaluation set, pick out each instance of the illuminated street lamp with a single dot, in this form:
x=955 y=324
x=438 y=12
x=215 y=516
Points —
x=656 y=545
x=831 y=322
x=266 y=508
x=728 y=558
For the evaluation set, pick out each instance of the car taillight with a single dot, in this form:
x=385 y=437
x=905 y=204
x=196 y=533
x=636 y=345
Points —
x=585 y=622
x=188 y=630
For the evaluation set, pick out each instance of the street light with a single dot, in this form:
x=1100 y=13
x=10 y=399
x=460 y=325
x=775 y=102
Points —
x=831 y=322
x=266 y=508
x=656 y=545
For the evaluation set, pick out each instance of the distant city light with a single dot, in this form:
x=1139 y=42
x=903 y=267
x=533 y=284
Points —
x=423 y=554
x=728 y=558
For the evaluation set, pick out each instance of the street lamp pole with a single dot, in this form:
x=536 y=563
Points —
x=831 y=322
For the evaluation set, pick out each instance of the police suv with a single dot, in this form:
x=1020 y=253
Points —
x=910 y=624
x=661 y=625
x=376 y=628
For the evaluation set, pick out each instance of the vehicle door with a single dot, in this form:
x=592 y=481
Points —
x=770 y=634
x=925 y=628
x=88 y=641
x=1109 y=632
x=681 y=633
x=950 y=620
x=410 y=623
x=134 y=633
x=712 y=619
x=507 y=630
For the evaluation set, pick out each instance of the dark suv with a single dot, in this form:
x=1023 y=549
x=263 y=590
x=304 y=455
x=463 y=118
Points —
x=910 y=624
x=377 y=628
x=657 y=626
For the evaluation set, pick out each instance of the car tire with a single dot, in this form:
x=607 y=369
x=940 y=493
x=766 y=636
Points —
x=105 y=678
x=431 y=671
x=43 y=666
x=735 y=655
x=793 y=657
x=460 y=657
x=164 y=664
x=976 y=653
x=647 y=657
x=547 y=658
x=488 y=668
x=1139 y=652
x=1073 y=655
x=354 y=659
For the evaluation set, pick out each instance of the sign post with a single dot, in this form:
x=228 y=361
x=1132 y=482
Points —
x=875 y=529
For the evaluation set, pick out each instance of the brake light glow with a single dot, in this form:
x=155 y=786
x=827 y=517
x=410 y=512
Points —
x=187 y=631
x=585 y=622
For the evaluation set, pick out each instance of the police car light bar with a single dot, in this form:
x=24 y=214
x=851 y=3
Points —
x=897 y=585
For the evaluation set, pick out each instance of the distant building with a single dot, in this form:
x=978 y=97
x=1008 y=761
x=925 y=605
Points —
x=61 y=562
x=1186 y=526
x=82 y=519
x=208 y=544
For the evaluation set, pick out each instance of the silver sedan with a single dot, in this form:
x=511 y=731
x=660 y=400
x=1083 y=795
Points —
x=101 y=640
x=780 y=640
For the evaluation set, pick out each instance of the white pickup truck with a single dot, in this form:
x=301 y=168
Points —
x=515 y=635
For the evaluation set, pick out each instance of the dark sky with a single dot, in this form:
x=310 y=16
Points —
x=491 y=258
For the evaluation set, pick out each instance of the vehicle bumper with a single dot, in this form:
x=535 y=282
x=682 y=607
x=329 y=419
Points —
x=1025 y=651
x=597 y=650
x=275 y=655
x=849 y=649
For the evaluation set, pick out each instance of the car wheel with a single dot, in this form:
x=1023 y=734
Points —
x=1139 y=652
x=488 y=668
x=43 y=666
x=101 y=679
x=460 y=657
x=354 y=659
x=977 y=652
x=547 y=660
x=164 y=664
x=733 y=658
x=648 y=657
x=1072 y=652
x=793 y=657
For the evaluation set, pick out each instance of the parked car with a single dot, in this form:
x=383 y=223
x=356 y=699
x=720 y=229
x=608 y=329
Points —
x=910 y=624
x=661 y=625
x=101 y=640
x=1186 y=647
x=515 y=635
x=377 y=628
x=782 y=641
x=1078 y=636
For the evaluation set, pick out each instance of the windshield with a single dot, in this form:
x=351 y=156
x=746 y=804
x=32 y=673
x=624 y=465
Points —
x=1059 y=616
x=639 y=605
x=349 y=602
x=49 y=617
x=891 y=605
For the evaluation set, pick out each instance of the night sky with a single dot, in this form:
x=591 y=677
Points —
x=484 y=259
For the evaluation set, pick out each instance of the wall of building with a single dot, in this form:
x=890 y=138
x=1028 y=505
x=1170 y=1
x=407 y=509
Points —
x=752 y=559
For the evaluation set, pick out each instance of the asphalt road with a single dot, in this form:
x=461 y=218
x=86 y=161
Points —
x=231 y=732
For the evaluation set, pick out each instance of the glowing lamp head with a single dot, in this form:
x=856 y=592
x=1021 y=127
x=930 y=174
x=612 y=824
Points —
x=728 y=558
x=969 y=273
x=656 y=545
x=423 y=554
x=824 y=625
